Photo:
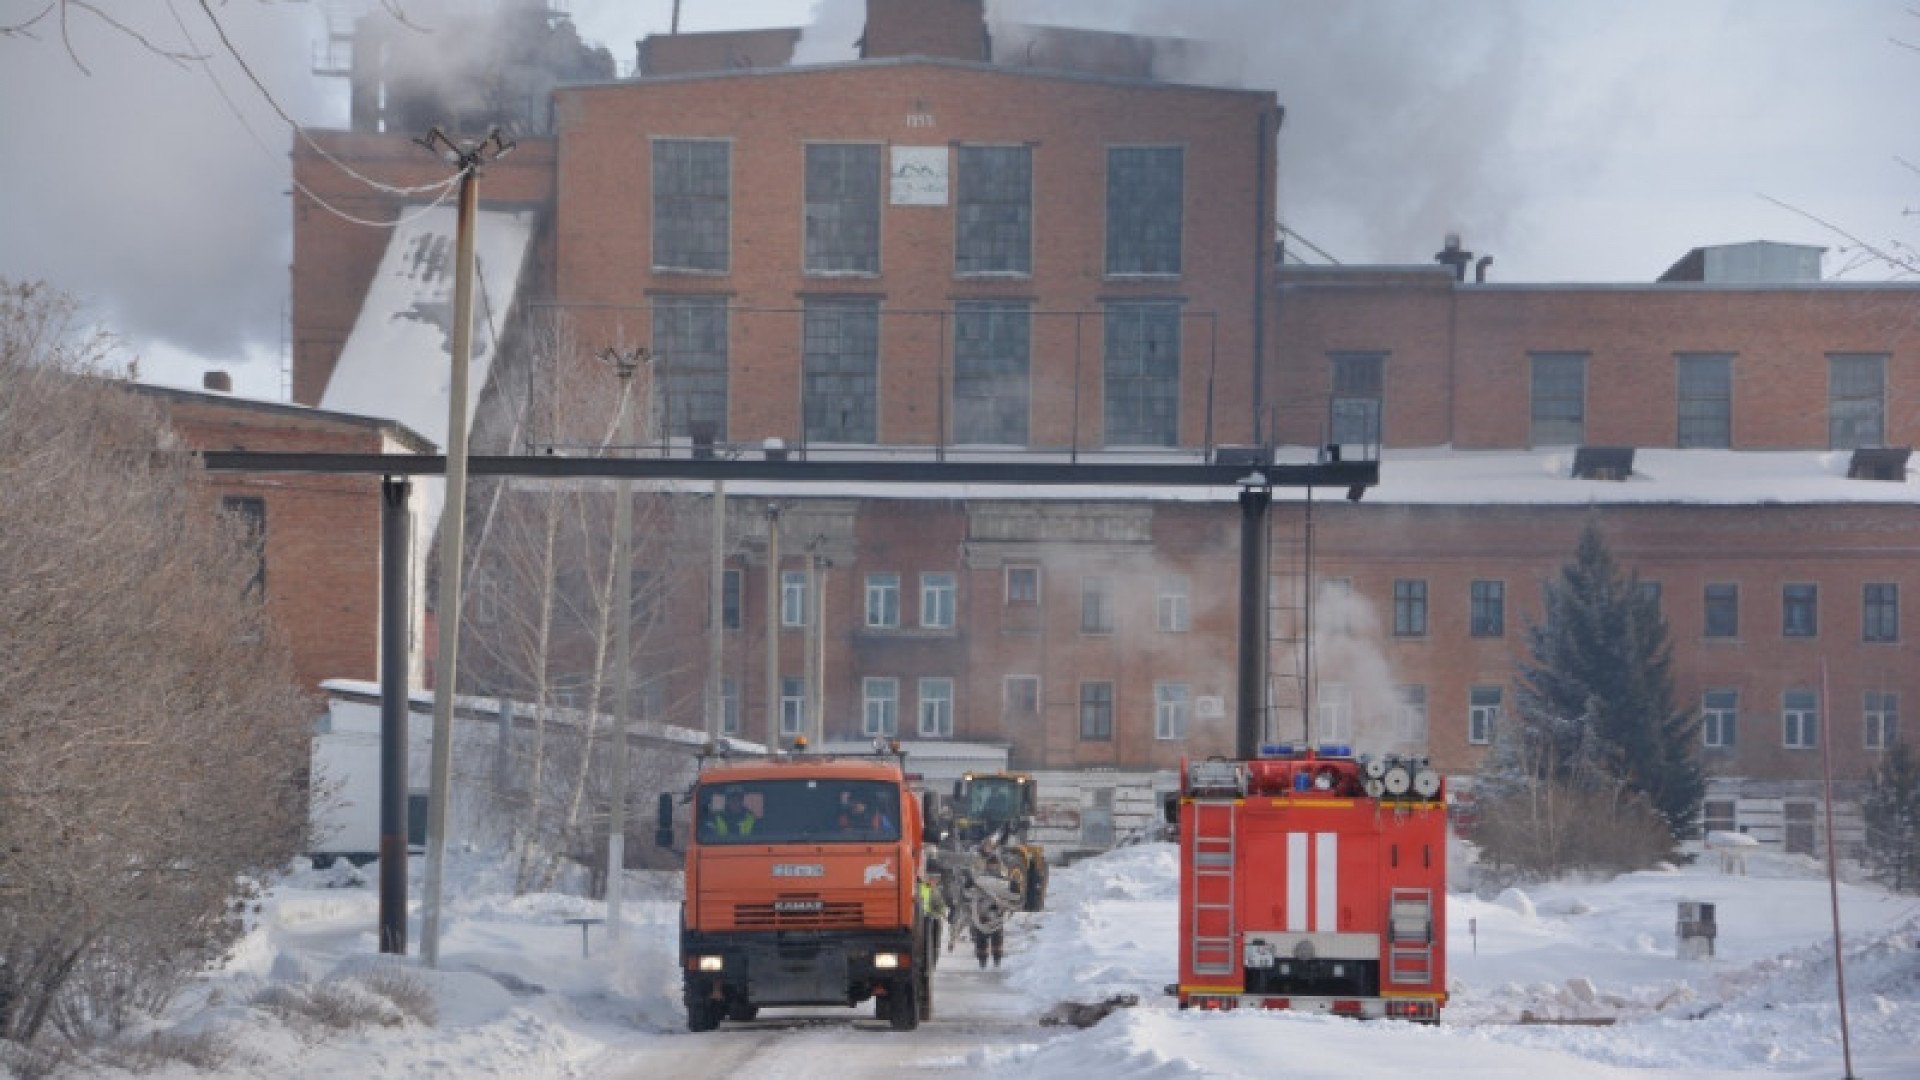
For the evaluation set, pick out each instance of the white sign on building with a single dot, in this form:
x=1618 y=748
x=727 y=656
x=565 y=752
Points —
x=919 y=176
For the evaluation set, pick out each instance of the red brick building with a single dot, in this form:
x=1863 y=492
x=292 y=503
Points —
x=929 y=248
x=319 y=535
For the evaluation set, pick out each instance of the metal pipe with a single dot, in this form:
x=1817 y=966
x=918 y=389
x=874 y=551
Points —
x=1255 y=502
x=394 y=492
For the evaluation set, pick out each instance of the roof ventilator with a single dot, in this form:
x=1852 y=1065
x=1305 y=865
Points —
x=1603 y=462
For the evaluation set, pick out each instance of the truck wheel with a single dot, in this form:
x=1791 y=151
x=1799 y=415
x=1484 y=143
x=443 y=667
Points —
x=705 y=1015
x=904 y=1006
x=923 y=993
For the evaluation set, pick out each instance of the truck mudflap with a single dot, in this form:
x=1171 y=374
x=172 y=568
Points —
x=1421 y=1008
x=734 y=975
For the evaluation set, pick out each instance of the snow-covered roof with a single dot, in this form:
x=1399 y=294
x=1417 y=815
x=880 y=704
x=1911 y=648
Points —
x=397 y=362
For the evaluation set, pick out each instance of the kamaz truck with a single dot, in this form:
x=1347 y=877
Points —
x=802 y=888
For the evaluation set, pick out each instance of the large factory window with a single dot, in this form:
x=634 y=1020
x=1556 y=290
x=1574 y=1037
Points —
x=993 y=211
x=1022 y=698
x=692 y=195
x=1333 y=713
x=1144 y=204
x=1559 y=402
x=1856 y=400
x=1143 y=374
x=690 y=358
x=1410 y=717
x=1705 y=393
x=1358 y=389
x=843 y=208
x=842 y=362
x=992 y=383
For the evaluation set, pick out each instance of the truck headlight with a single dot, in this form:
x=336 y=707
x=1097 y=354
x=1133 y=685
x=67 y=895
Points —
x=886 y=961
x=710 y=963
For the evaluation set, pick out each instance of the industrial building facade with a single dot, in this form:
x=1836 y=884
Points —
x=928 y=251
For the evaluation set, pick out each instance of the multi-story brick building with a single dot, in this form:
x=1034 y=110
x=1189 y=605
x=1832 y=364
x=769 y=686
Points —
x=929 y=249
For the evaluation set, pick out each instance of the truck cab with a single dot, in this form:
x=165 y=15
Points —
x=802 y=880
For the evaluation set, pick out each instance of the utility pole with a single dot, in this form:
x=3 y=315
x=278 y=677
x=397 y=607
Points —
x=467 y=156
x=717 y=612
x=773 y=623
x=624 y=365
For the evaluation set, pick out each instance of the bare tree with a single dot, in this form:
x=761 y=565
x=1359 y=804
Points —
x=153 y=742
x=541 y=629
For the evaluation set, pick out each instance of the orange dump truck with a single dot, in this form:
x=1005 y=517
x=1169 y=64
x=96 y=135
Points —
x=802 y=888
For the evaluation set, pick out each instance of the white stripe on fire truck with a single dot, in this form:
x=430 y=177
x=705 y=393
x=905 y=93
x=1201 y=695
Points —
x=1296 y=881
x=1326 y=881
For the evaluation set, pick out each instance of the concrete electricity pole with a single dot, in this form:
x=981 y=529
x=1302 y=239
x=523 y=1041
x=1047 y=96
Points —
x=467 y=156
x=624 y=364
x=716 y=612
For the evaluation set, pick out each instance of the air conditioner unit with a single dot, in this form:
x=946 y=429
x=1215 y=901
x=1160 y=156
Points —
x=1209 y=707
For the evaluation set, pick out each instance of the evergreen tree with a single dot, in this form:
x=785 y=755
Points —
x=1596 y=693
x=1892 y=813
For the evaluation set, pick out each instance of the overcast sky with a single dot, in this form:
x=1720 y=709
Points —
x=1573 y=142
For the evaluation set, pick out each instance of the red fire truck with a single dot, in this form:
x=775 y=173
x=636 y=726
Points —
x=1311 y=879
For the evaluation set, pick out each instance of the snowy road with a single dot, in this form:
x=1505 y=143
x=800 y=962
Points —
x=974 y=1013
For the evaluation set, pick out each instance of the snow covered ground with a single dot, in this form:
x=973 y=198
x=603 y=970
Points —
x=515 y=997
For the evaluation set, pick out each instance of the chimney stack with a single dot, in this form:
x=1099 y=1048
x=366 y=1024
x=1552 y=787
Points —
x=1452 y=255
x=949 y=29
x=217 y=382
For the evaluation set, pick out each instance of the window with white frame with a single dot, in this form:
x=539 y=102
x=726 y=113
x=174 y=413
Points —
x=1799 y=719
x=1175 y=607
x=1333 y=713
x=936 y=708
x=1096 y=605
x=883 y=601
x=692 y=192
x=937 y=601
x=880 y=706
x=1172 y=708
x=793 y=705
x=1719 y=718
x=1881 y=712
x=843 y=208
x=793 y=598
x=1856 y=400
x=1559 y=402
x=1483 y=714
x=1023 y=586
x=1145 y=196
x=729 y=707
x=1410 y=715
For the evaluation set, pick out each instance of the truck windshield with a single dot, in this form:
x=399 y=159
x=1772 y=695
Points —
x=814 y=811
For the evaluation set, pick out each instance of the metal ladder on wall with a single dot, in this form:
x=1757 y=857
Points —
x=1211 y=917
x=1289 y=705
